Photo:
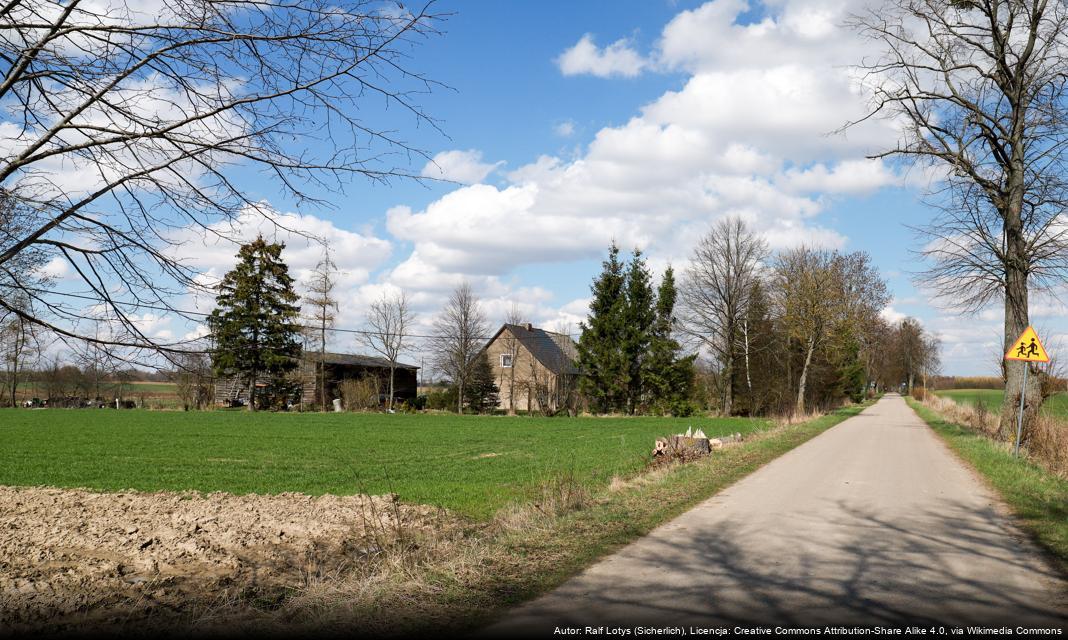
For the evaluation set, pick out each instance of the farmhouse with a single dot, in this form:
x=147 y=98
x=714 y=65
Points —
x=533 y=368
x=339 y=367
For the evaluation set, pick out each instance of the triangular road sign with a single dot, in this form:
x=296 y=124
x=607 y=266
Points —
x=1028 y=348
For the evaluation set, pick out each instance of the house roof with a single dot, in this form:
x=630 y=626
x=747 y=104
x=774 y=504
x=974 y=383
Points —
x=355 y=360
x=556 y=351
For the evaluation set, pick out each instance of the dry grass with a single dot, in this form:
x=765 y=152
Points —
x=790 y=419
x=1048 y=445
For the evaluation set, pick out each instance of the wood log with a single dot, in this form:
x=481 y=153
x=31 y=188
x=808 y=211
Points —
x=691 y=446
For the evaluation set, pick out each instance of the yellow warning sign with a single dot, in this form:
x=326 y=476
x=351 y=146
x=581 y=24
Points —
x=1028 y=348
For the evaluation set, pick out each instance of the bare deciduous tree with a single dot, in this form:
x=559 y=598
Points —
x=822 y=293
x=19 y=345
x=459 y=332
x=127 y=127
x=193 y=381
x=980 y=86
x=804 y=292
x=324 y=308
x=716 y=289
x=389 y=320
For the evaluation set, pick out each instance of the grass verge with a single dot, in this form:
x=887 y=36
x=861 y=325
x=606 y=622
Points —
x=526 y=552
x=1038 y=498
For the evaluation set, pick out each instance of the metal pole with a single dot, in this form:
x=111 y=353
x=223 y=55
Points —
x=1019 y=422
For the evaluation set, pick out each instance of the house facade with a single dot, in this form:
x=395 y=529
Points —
x=534 y=369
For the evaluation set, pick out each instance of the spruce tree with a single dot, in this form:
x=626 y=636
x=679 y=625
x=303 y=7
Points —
x=482 y=391
x=604 y=381
x=254 y=323
x=639 y=316
x=668 y=378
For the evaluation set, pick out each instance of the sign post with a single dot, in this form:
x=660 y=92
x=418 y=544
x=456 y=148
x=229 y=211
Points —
x=1027 y=348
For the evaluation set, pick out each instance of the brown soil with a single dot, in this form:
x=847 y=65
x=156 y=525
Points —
x=71 y=556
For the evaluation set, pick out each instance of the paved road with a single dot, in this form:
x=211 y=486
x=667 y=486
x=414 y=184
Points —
x=873 y=522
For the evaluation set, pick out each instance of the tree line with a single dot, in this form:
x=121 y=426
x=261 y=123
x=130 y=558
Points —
x=780 y=333
x=744 y=332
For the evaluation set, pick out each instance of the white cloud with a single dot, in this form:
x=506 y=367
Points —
x=858 y=176
x=748 y=134
x=892 y=315
x=585 y=57
x=56 y=268
x=460 y=166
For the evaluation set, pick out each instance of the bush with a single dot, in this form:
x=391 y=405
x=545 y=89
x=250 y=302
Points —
x=919 y=393
x=443 y=400
x=361 y=394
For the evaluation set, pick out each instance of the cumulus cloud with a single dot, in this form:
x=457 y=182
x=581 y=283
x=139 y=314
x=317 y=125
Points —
x=748 y=134
x=586 y=58
x=460 y=166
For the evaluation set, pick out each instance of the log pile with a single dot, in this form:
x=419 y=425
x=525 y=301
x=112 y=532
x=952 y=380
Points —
x=690 y=445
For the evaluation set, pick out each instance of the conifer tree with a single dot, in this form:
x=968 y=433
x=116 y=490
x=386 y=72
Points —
x=639 y=316
x=482 y=391
x=604 y=381
x=668 y=378
x=254 y=323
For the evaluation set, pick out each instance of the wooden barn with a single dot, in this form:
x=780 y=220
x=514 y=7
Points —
x=339 y=367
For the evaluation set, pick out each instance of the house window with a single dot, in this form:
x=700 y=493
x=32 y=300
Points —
x=506 y=360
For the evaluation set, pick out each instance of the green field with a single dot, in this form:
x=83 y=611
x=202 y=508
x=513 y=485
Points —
x=470 y=464
x=1057 y=405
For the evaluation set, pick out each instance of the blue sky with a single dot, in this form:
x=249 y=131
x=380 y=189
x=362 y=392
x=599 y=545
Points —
x=569 y=124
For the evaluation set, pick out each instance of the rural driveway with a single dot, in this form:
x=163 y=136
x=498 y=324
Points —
x=873 y=522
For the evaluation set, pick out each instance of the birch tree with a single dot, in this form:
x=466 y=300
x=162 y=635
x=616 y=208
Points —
x=716 y=291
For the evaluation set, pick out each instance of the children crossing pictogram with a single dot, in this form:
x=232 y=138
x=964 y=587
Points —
x=1028 y=348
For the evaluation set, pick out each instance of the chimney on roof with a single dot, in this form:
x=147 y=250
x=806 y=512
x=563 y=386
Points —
x=528 y=326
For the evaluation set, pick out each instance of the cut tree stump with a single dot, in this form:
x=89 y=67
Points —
x=682 y=447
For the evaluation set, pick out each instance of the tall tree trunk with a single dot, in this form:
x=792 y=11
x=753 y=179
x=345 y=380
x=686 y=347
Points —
x=511 y=386
x=800 y=406
x=728 y=384
x=392 y=375
x=322 y=363
x=1016 y=318
x=460 y=399
x=15 y=357
x=748 y=376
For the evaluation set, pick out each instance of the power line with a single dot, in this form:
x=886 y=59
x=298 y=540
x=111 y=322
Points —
x=142 y=305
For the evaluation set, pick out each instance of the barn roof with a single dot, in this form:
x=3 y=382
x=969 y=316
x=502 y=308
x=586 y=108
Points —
x=355 y=360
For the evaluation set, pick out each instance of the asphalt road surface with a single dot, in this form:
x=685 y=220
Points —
x=873 y=522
